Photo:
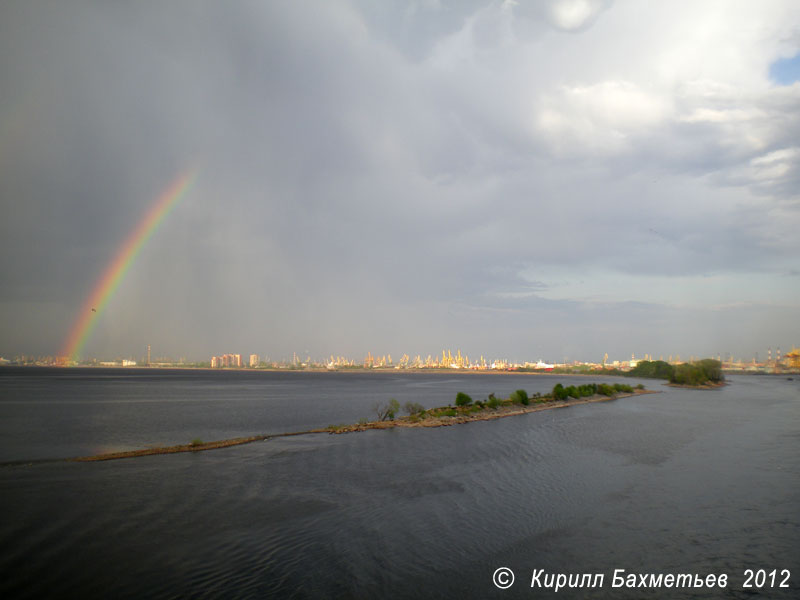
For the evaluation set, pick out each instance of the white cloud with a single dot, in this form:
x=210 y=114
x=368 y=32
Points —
x=573 y=15
x=775 y=165
x=598 y=119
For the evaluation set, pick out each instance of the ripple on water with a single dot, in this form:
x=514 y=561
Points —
x=660 y=483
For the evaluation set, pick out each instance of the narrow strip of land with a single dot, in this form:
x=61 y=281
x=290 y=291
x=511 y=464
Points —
x=193 y=447
x=459 y=417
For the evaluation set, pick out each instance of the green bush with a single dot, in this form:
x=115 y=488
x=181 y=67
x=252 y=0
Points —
x=703 y=371
x=492 y=402
x=656 y=369
x=605 y=389
x=520 y=397
x=463 y=399
x=712 y=369
x=585 y=391
x=696 y=373
x=559 y=393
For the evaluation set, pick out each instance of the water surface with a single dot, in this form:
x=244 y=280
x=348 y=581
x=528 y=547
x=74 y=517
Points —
x=682 y=481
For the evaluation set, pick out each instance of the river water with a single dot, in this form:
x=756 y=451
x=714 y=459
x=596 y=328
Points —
x=685 y=481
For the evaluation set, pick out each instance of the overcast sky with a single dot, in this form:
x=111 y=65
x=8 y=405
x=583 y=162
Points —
x=524 y=180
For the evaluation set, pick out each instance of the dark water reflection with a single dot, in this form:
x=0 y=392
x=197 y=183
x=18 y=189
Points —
x=684 y=481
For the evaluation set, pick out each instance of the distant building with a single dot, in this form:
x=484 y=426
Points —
x=254 y=360
x=226 y=360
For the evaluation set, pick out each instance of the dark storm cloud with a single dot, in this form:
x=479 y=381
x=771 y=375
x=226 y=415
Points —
x=392 y=177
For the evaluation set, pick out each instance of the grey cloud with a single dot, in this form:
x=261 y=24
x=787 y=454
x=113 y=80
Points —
x=416 y=27
x=370 y=174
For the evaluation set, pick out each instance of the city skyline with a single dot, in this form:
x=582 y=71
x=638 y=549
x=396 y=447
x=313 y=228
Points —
x=567 y=178
x=448 y=359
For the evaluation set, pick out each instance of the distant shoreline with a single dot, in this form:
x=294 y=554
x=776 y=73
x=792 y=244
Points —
x=391 y=371
x=442 y=421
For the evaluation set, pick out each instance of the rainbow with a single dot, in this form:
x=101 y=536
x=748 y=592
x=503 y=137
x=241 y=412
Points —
x=115 y=271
